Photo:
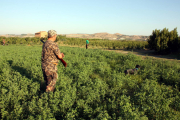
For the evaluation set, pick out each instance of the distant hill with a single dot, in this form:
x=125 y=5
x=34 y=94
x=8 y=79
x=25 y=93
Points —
x=22 y=35
x=116 y=36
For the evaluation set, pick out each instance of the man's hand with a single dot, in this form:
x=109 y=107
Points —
x=61 y=56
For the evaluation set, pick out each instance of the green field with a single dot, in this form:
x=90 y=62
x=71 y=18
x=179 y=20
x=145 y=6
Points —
x=93 y=86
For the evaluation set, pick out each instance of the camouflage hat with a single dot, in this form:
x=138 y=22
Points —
x=51 y=33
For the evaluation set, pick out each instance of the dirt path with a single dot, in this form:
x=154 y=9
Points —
x=149 y=53
x=142 y=53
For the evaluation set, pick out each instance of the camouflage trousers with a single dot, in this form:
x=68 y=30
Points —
x=50 y=78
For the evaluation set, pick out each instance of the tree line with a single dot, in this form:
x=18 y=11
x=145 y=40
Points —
x=162 y=41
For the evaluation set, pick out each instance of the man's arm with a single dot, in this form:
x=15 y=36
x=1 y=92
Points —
x=60 y=57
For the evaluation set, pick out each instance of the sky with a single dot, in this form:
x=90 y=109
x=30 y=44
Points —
x=129 y=17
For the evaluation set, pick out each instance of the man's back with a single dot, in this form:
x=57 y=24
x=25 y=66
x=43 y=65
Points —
x=50 y=51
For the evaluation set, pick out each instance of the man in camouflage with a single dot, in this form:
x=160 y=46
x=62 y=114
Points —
x=4 y=42
x=50 y=58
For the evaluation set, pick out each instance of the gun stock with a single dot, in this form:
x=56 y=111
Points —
x=42 y=41
x=63 y=62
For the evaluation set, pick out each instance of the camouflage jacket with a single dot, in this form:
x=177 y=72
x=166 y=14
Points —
x=49 y=59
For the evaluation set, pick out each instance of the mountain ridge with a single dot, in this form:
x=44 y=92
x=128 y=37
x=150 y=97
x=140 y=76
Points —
x=102 y=35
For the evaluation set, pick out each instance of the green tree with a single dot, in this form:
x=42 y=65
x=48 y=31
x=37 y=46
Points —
x=164 y=41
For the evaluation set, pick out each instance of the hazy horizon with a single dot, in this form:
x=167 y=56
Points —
x=65 y=34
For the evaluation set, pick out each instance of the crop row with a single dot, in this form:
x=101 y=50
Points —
x=93 y=86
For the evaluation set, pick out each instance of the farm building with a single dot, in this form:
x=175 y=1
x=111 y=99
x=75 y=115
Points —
x=41 y=34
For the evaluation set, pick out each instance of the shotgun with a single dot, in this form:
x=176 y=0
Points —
x=63 y=62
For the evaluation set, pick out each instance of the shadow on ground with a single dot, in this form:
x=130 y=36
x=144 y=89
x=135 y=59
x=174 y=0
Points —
x=28 y=74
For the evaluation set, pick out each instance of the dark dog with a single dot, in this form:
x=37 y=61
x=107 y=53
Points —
x=132 y=71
